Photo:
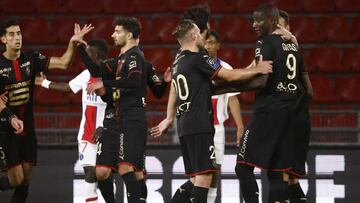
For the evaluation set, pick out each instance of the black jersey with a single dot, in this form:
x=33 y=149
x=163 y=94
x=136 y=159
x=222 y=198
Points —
x=123 y=79
x=192 y=73
x=156 y=84
x=283 y=84
x=17 y=78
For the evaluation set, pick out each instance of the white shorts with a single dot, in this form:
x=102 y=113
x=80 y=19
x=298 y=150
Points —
x=219 y=142
x=87 y=153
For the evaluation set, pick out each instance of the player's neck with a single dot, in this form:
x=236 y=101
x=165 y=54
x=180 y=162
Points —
x=190 y=47
x=12 y=54
x=128 y=46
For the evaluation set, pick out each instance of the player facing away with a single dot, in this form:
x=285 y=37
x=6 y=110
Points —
x=18 y=73
x=302 y=128
x=220 y=109
x=271 y=126
x=93 y=112
x=190 y=98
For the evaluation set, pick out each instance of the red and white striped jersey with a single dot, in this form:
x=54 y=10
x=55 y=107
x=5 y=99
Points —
x=93 y=108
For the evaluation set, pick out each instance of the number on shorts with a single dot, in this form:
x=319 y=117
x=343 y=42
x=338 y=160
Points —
x=212 y=150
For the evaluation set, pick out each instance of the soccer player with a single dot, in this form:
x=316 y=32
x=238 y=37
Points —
x=271 y=126
x=302 y=129
x=124 y=83
x=93 y=112
x=192 y=72
x=18 y=73
x=220 y=109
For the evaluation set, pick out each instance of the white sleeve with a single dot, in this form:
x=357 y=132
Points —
x=77 y=83
x=229 y=67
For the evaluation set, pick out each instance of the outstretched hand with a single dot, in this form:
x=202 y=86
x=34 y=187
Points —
x=79 y=33
x=160 y=129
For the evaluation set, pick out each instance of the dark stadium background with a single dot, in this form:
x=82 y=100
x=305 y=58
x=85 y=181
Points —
x=327 y=30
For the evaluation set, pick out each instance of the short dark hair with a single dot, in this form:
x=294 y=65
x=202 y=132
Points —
x=130 y=24
x=101 y=45
x=285 y=15
x=183 y=28
x=199 y=14
x=269 y=10
x=6 y=24
x=215 y=35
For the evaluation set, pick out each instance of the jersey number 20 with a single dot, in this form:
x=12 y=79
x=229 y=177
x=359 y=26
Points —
x=181 y=87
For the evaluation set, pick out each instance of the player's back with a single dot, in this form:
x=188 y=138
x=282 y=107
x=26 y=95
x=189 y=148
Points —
x=282 y=86
x=193 y=88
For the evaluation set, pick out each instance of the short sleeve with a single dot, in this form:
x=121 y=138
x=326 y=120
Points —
x=263 y=51
x=77 y=83
x=41 y=62
x=207 y=65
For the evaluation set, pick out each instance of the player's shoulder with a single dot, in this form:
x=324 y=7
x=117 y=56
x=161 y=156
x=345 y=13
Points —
x=134 y=53
x=225 y=65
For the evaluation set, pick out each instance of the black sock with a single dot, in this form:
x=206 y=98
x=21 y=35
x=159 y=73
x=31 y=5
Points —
x=278 y=188
x=296 y=194
x=20 y=194
x=183 y=193
x=107 y=189
x=132 y=187
x=143 y=190
x=5 y=184
x=199 y=194
x=248 y=184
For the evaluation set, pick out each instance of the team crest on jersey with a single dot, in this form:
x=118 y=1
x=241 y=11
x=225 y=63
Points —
x=214 y=64
x=132 y=65
x=41 y=56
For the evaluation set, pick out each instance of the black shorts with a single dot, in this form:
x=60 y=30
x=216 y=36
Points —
x=133 y=134
x=267 y=140
x=108 y=145
x=198 y=153
x=15 y=149
x=302 y=131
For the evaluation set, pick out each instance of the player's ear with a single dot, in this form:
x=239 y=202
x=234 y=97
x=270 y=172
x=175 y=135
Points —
x=3 y=39
x=129 y=35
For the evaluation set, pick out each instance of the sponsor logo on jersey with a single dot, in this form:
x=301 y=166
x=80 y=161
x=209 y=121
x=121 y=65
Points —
x=286 y=87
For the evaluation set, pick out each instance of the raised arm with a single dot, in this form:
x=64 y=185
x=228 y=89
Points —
x=64 y=61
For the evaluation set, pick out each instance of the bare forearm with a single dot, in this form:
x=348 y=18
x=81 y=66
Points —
x=64 y=61
x=257 y=82
x=60 y=86
x=171 y=105
x=235 y=110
